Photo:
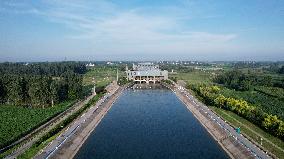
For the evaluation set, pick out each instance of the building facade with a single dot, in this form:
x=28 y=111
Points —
x=146 y=73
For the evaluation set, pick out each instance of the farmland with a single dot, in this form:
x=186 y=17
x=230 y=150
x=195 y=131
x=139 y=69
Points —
x=32 y=94
x=18 y=121
x=249 y=96
x=267 y=103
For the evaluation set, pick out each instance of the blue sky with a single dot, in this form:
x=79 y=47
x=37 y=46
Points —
x=52 y=30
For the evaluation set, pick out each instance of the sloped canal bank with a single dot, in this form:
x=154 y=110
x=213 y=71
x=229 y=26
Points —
x=151 y=123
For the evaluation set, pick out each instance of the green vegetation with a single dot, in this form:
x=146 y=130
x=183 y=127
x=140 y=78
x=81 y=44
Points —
x=212 y=96
x=271 y=143
x=194 y=77
x=31 y=152
x=247 y=94
x=52 y=134
x=122 y=81
x=267 y=103
x=31 y=94
x=271 y=91
x=40 y=84
x=101 y=75
x=168 y=82
x=16 y=122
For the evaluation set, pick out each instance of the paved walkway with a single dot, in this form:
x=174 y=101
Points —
x=235 y=143
x=256 y=133
x=69 y=142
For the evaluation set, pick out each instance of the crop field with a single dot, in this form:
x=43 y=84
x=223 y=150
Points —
x=267 y=103
x=18 y=121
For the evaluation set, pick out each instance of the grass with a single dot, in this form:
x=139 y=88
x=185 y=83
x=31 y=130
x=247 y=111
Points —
x=102 y=75
x=253 y=132
x=16 y=122
x=269 y=104
x=195 y=77
x=32 y=151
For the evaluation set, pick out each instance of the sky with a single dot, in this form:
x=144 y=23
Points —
x=90 y=30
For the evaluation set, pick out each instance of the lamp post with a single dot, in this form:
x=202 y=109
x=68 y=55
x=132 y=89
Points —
x=94 y=88
x=116 y=76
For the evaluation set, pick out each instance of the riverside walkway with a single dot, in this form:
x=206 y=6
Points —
x=69 y=142
x=236 y=145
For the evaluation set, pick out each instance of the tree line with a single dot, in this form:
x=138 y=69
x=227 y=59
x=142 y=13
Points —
x=42 y=68
x=269 y=122
x=238 y=80
x=38 y=85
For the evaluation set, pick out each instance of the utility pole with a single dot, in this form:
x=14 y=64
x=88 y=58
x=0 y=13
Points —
x=94 y=88
x=116 y=76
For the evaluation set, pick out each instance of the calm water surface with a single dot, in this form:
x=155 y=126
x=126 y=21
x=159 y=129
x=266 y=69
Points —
x=149 y=124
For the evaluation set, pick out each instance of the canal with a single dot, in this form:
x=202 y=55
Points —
x=149 y=124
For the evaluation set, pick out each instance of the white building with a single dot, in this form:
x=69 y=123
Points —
x=146 y=73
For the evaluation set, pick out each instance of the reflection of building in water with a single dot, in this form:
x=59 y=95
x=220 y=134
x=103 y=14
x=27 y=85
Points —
x=146 y=73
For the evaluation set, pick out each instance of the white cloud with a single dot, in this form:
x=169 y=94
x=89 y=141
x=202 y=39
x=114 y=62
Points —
x=112 y=29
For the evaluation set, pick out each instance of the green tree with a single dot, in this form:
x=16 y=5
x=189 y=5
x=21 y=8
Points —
x=220 y=101
x=270 y=122
x=15 y=95
x=54 y=92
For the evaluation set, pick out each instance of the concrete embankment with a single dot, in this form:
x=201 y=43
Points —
x=73 y=143
x=218 y=131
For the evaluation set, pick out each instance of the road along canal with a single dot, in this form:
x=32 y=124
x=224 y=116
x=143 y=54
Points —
x=149 y=123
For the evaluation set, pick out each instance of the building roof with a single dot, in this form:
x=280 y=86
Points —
x=149 y=73
x=145 y=63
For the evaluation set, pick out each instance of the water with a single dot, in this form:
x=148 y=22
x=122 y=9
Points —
x=149 y=124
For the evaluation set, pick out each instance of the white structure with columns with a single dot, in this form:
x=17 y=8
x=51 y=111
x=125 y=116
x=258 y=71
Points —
x=146 y=73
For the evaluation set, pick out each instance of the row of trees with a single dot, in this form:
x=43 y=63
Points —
x=270 y=123
x=35 y=89
x=238 y=80
x=276 y=67
x=43 y=68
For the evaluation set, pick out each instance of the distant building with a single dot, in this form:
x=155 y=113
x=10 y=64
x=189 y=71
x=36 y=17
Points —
x=146 y=73
x=109 y=63
x=90 y=65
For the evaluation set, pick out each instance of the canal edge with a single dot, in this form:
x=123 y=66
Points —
x=71 y=147
x=207 y=129
x=229 y=148
x=96 y=122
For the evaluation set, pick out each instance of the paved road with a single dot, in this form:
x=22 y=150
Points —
x=31 y=138
x=257 y=152
x=71 y=130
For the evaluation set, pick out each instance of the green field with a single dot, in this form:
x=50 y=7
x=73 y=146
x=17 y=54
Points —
x=52 y=134
x=102 y=75
x=267 y=103
x=195 y=77
x=16 y=122
x=269 y=99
